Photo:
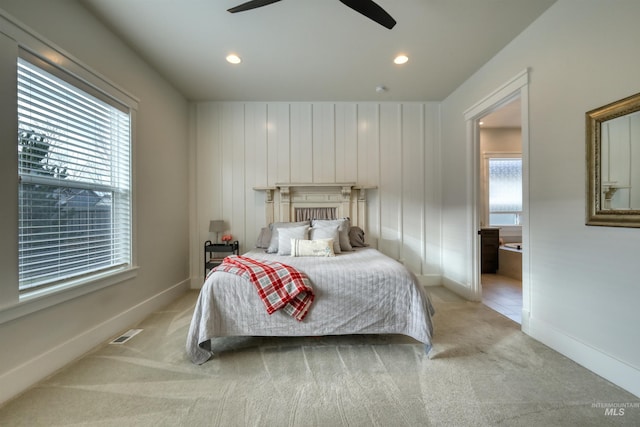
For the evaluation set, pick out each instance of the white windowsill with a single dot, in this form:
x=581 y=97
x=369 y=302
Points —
x=40 y=299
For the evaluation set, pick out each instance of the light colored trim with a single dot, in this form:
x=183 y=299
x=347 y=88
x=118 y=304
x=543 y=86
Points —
x=428 y=280
x=459 y=288
x=44 y=364
x=499 y=96
x=31 y=41
x=38 y=45
x=513 y=88
x=348 y=198
x=526 y=241
x=53 y=295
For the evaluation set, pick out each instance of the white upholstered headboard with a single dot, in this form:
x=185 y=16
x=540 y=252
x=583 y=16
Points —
x=349 y=200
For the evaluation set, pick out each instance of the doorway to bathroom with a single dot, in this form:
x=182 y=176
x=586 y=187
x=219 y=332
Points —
x=500 y=208
x=514 y=90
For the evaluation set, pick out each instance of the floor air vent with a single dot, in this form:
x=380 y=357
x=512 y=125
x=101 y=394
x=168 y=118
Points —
x=126 y=336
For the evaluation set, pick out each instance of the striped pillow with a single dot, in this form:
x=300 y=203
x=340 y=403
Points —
x=317 y=248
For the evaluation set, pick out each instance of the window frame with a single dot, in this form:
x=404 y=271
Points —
x=72 y=141
x=13 y=303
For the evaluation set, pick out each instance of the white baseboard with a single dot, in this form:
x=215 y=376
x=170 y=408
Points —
x=49 y=361
x=197 y=282
x=459 y=289
x=430 y=279
x=525 y=322
x=607 y=366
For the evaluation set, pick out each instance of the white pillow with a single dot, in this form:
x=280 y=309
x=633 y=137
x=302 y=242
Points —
x=326 y=233
x=318 y=247
x=343 y=224
x=285 y=235
x=274 y=227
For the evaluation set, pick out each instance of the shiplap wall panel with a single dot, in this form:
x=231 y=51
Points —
x=324 y=153
x=233 y=166
x=301 y=147
x=346 y=134
x=368 y=144
x=278 y=143
x=255 y=153
x=390 y=179
x=432 y=258
x=412 y=191
x=391 y=146
x=207 y=164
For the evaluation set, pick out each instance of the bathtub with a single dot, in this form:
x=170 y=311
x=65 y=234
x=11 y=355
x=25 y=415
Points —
x=516 y=246
x=510 y=260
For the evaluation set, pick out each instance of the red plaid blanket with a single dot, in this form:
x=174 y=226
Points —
x=280 y=286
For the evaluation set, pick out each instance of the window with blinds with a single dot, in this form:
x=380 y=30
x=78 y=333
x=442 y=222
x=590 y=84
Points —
x=505 y=191
x=74 y=188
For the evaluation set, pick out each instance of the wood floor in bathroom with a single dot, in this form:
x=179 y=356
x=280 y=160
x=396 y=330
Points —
x=503 y=294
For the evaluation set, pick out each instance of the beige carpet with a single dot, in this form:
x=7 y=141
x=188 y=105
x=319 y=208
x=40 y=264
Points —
x=483 y=372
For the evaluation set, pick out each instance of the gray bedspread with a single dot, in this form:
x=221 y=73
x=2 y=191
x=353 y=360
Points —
x=359 y=292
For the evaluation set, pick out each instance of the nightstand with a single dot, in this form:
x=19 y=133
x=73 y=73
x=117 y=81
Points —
x=214 y=253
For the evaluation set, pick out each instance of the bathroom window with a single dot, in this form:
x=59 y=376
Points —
x=505 y=191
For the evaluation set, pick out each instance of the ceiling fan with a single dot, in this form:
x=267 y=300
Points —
x=368 y=8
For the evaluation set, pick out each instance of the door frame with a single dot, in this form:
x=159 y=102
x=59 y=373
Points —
x=518 y=86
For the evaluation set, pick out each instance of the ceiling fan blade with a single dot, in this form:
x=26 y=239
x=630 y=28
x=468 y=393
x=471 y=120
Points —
x=371 y=10
x=252 y=4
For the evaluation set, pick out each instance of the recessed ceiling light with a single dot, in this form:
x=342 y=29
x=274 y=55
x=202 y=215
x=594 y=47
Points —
x=400 y=59
x=233 y=59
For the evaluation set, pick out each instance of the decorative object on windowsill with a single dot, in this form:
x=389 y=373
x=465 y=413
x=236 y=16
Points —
x=226 y=238
x=216 y=226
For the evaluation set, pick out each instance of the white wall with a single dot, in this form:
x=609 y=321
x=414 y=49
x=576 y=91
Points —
x=35 y=345
x=393 y=146
x=502 y=140
x=583 y=288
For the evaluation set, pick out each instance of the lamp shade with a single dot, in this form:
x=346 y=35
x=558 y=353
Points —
x=216 y=226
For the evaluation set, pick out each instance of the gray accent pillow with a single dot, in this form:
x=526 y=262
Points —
x=286 y=234
x=327 y=233
x=275 y=226
x=356 y=237
x=343 y=224
x=264 y=238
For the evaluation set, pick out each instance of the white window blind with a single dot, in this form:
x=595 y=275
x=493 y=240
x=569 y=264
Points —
x=505 y=191
x=74 y=167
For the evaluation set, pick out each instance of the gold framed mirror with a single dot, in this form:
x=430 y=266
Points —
x=613 y=164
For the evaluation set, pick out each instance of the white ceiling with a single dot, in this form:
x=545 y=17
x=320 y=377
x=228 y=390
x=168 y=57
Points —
x=312 y=50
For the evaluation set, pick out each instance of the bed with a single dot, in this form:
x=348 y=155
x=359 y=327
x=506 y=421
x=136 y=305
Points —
x=358 y=291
